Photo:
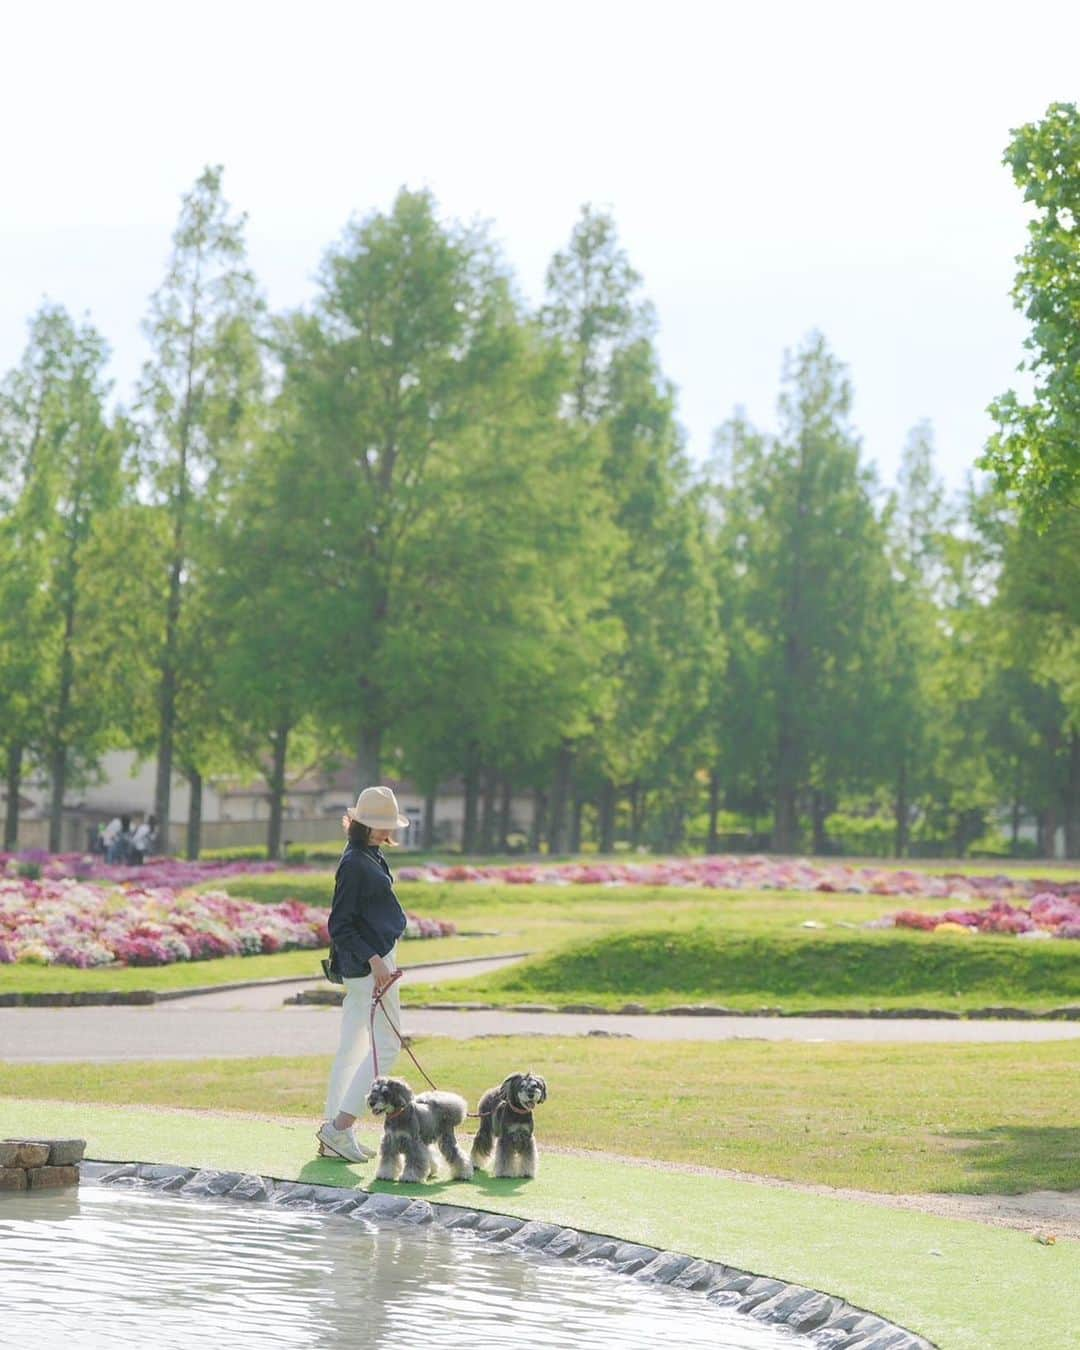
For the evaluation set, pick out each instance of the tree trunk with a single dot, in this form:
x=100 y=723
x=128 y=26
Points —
x=13 y=782
x=487 y=817
x=368 y=746
x=1047 y=832
x=639 y=800
x=607 y=816
x=167 y=692
x=539 y=820
x=786 y=820
x=1016 y=804
x=1072 y=799
x=194 y=821
x=280 y=741
x=427 y=829
x=712 y=844
x=819 y=812
x=472 y=793
x=58 y=758
x=58 y=774
x=575 y=823
x=900 y=810
x=560 y=794
x=506 y=819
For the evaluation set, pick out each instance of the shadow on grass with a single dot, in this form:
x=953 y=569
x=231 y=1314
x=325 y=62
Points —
x=334 y=1172
x=1010 y=1159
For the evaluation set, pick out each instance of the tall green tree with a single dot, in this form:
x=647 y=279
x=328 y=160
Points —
x=413 y=323
x=1036 y=452
x=198 y=396
x=618 y=404
x=806 y=549
x=73 y=481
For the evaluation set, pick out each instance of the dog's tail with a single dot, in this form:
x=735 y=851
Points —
x=454 y=1107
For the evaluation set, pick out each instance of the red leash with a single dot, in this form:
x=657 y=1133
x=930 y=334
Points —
x=376 y=1002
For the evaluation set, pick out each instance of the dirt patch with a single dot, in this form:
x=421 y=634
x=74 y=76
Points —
x=1040 y=1213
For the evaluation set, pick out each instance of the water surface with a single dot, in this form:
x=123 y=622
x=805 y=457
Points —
x=101 y=1267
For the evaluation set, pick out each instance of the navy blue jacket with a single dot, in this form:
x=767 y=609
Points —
x=366 y=918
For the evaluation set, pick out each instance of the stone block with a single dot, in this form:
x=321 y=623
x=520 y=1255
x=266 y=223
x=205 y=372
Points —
x=419 y=1212
x=697 y=1275
x=42 y=1178
x=492 y=1223
x=567 y=1242
x=382 y=1205
x=252 y=1187
x=594 y=1247
x=24 y=1153
x=534 y=1234
x=466 y=1219
x=66 y=1152
x=12 y=1178
x=758 y=1291
x=664 y=1268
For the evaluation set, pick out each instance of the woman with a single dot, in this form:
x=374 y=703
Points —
x=366 y=921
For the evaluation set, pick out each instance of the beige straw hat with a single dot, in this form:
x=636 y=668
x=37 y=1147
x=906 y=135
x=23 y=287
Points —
x=377 y=807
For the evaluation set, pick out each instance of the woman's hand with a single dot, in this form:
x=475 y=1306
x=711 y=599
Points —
x=384 y=976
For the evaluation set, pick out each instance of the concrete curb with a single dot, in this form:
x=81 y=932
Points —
x=86 y=998
x=834 y=1323
x=1004 y=1014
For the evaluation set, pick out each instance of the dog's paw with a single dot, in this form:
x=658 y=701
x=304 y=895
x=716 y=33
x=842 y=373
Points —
x=463 y=1170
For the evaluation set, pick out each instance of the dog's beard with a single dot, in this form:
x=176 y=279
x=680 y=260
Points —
x=385 y=1098
x=530 y=1094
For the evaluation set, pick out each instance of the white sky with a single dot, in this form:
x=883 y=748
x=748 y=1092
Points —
x=772 y=167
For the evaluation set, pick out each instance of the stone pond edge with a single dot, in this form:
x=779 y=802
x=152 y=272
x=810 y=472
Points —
x=831 y=1322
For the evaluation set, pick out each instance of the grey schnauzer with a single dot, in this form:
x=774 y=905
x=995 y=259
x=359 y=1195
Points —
x=413 y=1128
x=506 y=1120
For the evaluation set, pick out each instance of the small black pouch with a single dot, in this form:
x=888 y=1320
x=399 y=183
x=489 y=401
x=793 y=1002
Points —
x=330 y=969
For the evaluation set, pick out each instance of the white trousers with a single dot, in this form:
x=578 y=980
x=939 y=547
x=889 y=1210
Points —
x=354 y=1067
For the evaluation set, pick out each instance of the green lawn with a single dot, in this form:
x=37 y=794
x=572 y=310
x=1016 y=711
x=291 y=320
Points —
x=893 y=1118
x=746 y=970
x=965 y=1286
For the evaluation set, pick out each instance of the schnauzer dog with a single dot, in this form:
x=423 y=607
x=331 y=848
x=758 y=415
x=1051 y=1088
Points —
x=413 y=1128
x=506 y=1120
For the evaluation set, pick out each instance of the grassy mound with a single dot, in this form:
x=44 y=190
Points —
x=740 y=970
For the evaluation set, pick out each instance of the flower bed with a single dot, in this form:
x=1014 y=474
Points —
x=35 y=864
x=72 y=923
x=757 y=874
x=1047 y=915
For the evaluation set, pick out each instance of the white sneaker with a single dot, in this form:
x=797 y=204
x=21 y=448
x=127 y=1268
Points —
x=341 y=1144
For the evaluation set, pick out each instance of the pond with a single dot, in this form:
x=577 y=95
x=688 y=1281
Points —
x=98 y=1267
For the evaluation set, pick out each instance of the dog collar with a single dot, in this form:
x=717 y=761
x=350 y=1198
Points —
x=521 y=1110
x=393 y=1115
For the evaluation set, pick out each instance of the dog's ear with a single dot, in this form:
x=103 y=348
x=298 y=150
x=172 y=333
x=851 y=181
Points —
x=509 y=1086
x=401 y=1092
x=543 y=1086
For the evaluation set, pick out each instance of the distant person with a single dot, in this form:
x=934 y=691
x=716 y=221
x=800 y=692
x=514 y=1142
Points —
x=144 y=839
x=119 y=851
x=109 y=836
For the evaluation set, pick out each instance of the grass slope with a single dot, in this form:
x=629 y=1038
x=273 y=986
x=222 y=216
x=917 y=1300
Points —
x=892 y=1118
x=793 y=970
x=965 y=1286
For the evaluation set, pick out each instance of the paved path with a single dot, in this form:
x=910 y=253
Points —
x=270 y=997
x=193 y=1029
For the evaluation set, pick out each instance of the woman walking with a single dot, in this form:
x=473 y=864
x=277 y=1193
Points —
x=366 y=921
